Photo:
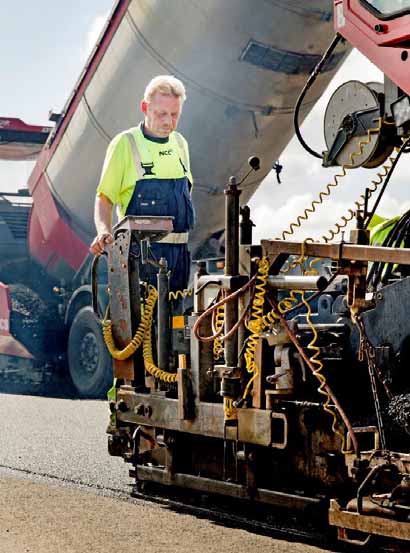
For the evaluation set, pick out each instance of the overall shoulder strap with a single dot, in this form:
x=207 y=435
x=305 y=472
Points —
x=135 y=154
x=182 y=150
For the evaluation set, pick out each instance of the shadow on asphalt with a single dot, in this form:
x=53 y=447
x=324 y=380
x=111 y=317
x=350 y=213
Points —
x=308 y=527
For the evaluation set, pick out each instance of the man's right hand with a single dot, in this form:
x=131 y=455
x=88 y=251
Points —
x=98 y=244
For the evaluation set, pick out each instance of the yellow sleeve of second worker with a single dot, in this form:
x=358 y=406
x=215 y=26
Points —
x=112 y=174
x=375 y=221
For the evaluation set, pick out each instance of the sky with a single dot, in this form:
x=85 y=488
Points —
x=44 y=46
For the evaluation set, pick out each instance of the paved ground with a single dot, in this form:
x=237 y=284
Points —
x=40 y=518
x=60 y=491
x=62 y=438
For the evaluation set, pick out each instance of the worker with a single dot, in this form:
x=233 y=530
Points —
x=393 y=233
x=147 y=172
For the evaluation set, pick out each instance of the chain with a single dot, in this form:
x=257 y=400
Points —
x=367 y=352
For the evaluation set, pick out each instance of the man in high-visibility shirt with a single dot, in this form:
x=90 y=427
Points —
x=147 y=172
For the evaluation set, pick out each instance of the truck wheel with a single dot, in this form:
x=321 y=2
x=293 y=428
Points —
x=89 y=363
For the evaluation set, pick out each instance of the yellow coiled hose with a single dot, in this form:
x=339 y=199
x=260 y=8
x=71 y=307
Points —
x=173 y=296
x=316 y=364
x=358 y=204
x=284 y=305
x=272 y=317
x=317 y=372
x=256 y=322
x=134 y=344
x=259 y=321
x=149 y=364
x=301 y=261
x=218 y=345
x=297 y=223
x=142 y=336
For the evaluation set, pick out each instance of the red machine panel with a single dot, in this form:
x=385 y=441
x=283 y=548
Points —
x=368 y=33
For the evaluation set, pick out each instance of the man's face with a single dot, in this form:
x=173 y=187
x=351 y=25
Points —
x=161 y=114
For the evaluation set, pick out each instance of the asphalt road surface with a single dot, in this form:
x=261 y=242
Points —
x=61 y=491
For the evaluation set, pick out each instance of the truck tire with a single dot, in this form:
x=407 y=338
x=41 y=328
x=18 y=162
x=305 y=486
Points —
x=89 y=363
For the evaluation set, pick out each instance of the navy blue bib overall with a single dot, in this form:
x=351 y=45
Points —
x=154 y=195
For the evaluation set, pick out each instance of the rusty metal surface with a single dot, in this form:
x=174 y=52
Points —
x=254 y=424
x=369 y=524
x=400 y=460
x=280 y=421
x=202 y=361
x=283 y=378
x=364 y=431
x=120 y=309
x=258 y=388
x=164 y=414
x=338 y=251
x=278 y=499
x=186 y=407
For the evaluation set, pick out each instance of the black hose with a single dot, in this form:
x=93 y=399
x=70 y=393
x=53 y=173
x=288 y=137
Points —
x=388 y=268
x=399 y=233
x=307 y=86
x=404 y=148
x=376 y=271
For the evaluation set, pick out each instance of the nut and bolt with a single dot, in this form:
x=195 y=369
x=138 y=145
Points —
x=143 y=410
x=380 y=28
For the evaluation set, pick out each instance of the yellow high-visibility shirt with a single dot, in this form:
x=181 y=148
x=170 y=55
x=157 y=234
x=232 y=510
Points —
x=119 y=175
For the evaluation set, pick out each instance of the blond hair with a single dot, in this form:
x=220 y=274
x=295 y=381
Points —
x=166 y=85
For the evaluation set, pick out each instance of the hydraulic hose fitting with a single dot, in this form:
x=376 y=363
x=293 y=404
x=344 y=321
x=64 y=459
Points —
x=230 y=390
